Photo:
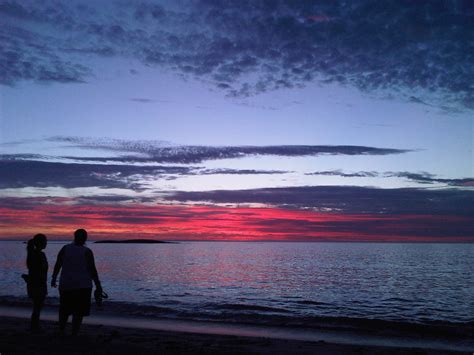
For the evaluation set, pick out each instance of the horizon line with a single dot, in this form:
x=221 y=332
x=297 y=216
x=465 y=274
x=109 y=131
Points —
x=92 y=241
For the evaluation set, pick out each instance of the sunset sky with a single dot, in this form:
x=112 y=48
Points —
x=238 y=120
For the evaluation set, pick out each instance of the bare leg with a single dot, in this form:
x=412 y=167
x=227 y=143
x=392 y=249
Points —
x=76 y=324
x=63 y=316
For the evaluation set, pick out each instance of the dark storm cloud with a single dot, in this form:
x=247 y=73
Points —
x=165 y=153
x=346 y=199
x=247 y=47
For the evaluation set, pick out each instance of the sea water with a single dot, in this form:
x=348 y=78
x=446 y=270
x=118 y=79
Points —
x=273 y=282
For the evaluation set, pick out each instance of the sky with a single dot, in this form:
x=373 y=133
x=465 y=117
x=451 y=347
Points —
x=238 y=120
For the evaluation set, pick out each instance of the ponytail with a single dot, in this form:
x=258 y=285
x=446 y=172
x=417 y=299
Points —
x=35 y=243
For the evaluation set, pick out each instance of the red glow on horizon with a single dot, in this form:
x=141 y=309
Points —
x=59 y=218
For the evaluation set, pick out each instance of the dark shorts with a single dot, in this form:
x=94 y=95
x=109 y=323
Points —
x=76 y=302
x=37 y=293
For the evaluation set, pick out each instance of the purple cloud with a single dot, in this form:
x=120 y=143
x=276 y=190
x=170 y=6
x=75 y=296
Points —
x=253 y=47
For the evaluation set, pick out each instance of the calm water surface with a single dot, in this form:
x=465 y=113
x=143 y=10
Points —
x=275 y=281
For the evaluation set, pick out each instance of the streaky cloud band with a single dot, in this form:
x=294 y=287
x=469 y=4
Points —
x=344 y=199
x=18 y=173
x=421 y=177
x=163 y=152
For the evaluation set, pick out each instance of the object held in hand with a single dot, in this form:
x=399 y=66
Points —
x=99 y=295
x=29 y=288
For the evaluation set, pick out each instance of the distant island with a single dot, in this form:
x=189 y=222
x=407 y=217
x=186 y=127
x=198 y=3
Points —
x=133 y=241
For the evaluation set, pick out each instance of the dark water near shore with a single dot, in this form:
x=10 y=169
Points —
x=275 y=283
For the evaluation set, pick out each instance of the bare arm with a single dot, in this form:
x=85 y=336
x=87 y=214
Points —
x=57 y=267
x=92 y=269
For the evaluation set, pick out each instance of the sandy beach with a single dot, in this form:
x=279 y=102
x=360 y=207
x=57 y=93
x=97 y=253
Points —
x=15 y=338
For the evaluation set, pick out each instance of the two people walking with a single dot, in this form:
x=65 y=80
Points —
x=78 y=271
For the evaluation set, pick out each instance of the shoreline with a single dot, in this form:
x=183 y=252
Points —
x=153 y=335
x=381 y=326
x=100 y=339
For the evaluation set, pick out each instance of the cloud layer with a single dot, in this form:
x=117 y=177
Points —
x=344 y=199
x=29 y=173
x=162 y=152
x=420 y=51
x=423 y=177
x=138 y=163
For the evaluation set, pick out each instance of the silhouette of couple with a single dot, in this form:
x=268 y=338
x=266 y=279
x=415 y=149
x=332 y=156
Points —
x=77 y=266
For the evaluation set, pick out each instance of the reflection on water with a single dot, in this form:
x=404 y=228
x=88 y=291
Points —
x=382 y=281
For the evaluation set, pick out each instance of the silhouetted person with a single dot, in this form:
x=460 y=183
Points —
x=75 y=284
x=37 y=276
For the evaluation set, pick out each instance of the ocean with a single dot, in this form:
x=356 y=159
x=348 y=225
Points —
x=273 y=283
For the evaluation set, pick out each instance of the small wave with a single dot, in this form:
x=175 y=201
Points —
x=179 y=295
x=312 y=303
x=271 y=316
x=396 y=299
x=23 y=301
x=250 y=307
x=130 y=308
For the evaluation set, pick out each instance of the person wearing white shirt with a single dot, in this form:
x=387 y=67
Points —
x=78 y=271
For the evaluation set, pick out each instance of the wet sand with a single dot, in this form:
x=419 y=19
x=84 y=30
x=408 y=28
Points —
x=15 y=338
